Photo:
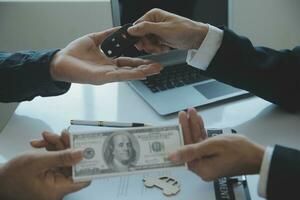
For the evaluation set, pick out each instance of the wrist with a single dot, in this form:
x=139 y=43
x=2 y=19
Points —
x=256 y=158
x=54 y=66
x=200 y=32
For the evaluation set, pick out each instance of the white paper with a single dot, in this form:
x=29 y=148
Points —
x=132 y=188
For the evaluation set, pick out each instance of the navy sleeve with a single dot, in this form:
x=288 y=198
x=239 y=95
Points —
x=284 y=174
x=270 y=74
x=25 y=75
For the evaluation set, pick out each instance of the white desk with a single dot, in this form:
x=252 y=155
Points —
x=254 y=117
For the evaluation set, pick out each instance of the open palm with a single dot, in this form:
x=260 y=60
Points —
x=83 y=62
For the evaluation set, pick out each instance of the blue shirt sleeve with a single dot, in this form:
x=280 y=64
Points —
x=26 y=74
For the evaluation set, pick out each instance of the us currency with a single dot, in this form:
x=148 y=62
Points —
x=125 y=151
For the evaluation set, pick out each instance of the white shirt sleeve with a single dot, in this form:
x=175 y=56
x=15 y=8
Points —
x=202 y=57
x=264 y=172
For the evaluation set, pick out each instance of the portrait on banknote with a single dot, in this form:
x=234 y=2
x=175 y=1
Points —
x=121 y=151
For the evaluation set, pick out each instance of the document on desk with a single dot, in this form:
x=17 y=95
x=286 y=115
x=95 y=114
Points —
x=125 y=151
x=131 y=187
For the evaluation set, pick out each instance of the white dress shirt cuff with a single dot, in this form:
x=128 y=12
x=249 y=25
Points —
x=264 y=172
x=202 y=57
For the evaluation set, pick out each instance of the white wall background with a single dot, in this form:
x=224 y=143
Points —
x=53 y=23
x=49 y=24
x=273 y=23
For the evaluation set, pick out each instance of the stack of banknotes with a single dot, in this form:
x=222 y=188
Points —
x=125 y=151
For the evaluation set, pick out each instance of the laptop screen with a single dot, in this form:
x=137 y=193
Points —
x=214 y=12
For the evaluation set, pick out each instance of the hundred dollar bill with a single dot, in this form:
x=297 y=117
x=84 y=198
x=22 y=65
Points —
x=120 y=152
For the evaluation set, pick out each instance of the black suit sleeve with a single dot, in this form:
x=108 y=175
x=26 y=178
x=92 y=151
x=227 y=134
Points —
x=284 y=173
x=267 y=73
x=25 y=75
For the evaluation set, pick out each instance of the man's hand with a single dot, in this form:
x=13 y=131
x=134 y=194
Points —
x=83 y=62
x=220 y=156
x=160 y=30
x=52 y=141
x=38 y=176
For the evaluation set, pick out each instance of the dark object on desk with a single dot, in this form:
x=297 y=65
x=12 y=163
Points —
x=229 y=188
x=118 y=42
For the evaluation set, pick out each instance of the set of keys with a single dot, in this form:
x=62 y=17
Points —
x=118 y=42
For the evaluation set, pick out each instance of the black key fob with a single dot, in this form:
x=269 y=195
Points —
x=118 y=42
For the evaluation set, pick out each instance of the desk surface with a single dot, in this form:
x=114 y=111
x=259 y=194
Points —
x=253 y=117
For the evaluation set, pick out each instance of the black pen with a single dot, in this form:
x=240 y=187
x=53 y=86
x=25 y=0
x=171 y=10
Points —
x=107 y=123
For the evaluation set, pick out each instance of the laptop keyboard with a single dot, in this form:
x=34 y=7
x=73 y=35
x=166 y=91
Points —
x=174 y=76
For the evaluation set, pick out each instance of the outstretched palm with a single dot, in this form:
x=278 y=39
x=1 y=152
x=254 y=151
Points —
x=83 y=62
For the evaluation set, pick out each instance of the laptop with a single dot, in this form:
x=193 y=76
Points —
x=6 y=111
x=179 y=86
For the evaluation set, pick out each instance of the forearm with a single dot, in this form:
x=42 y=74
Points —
x=270 y=74
x=25 y=75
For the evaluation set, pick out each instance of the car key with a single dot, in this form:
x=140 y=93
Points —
x=118 y=42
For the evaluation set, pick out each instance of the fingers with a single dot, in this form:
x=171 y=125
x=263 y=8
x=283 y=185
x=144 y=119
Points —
x=185 y=154
x=65 y=138
x=196 y=125
x=48 y=160
x=65 y=185
x=184 y=122
x=124 y=75
x=146 y=17
x=151 y=46
x=147 y=66
x=144 y=28
x=151 y=39
x=68 y=186
x=154 y=15
x=99 y=37
x=74 y=187
x=39 y=143
x=150 y=69
x=151 y=28
x=194 y=152
x=132 y=62
x=52 y=141
x=141 y=72
x=192 y=126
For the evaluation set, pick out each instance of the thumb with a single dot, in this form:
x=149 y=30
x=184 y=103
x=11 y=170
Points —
x=68 y=186
x=65 y=158
x=144 y=28
x=193 y=152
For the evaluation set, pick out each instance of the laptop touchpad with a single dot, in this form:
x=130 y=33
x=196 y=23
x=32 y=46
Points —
x=215 y=89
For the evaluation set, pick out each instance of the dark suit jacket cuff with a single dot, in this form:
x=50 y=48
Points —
x=284 y=174
x=48 y=87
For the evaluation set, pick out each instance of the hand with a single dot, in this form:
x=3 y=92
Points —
x=52 y=141
x=83 y=62
x=37 y=176
x=161 y=30
x=220 y=156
